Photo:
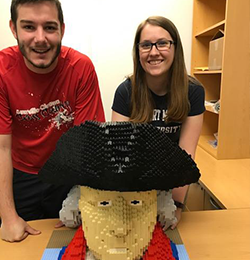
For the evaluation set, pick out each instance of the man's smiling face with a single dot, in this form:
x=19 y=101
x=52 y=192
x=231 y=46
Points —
x=39 y=35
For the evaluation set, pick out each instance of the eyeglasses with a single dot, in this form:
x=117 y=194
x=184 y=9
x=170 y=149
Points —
x=162 y=45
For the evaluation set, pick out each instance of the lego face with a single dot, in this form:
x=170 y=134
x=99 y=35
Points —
x=118 y=225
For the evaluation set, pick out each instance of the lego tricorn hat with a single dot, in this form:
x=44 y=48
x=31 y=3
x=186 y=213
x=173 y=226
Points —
x=119 y=156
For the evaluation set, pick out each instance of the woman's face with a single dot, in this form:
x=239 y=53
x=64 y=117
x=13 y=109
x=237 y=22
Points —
x=155 y=63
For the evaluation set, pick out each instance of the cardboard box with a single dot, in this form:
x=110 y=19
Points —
x=216 y=51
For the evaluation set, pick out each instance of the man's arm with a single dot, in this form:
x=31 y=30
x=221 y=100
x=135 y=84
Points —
x=13 y=227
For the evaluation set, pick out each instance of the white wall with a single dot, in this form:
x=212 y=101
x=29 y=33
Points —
x=104 y=30
x=6 y=38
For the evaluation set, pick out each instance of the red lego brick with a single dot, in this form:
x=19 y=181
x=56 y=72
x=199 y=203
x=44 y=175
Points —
x=76 y=250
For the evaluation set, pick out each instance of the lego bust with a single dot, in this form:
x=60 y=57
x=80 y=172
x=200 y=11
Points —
x=120 y=167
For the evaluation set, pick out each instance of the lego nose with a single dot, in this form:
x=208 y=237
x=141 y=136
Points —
x=120 y=231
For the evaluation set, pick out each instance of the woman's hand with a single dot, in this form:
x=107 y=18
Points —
x=178 y=217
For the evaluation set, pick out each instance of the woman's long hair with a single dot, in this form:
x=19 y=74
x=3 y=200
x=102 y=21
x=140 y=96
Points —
x=142 y=103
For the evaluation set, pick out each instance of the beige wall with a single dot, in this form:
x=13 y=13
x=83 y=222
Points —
x=6 y=38
x=104 y=30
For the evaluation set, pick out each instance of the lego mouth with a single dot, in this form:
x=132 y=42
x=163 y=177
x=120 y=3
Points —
x=117 y=251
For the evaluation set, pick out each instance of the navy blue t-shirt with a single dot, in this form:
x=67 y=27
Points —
x=196 y=96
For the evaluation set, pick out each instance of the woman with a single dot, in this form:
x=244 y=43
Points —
x=160 y=91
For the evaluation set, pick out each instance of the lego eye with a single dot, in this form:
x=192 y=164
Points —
x=105 y=203
x=135 y=202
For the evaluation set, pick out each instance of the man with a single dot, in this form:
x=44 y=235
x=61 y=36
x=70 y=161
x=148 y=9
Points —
x=44 y=90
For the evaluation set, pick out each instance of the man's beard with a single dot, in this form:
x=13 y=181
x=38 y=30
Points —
x=41 y=66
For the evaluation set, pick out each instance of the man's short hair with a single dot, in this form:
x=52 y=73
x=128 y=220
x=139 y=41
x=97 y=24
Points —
x=16 y=3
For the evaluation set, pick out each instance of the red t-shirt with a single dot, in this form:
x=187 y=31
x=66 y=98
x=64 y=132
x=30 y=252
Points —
x=38 y=108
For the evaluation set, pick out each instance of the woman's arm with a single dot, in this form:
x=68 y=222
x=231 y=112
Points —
x=190 y=133
x=118 y=117
x=189 y=137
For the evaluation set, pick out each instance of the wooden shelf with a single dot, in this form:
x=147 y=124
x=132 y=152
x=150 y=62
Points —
x=211 y=30
x=231 y=85
x=211 y=109
x=206 y=72
x=204 y=143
